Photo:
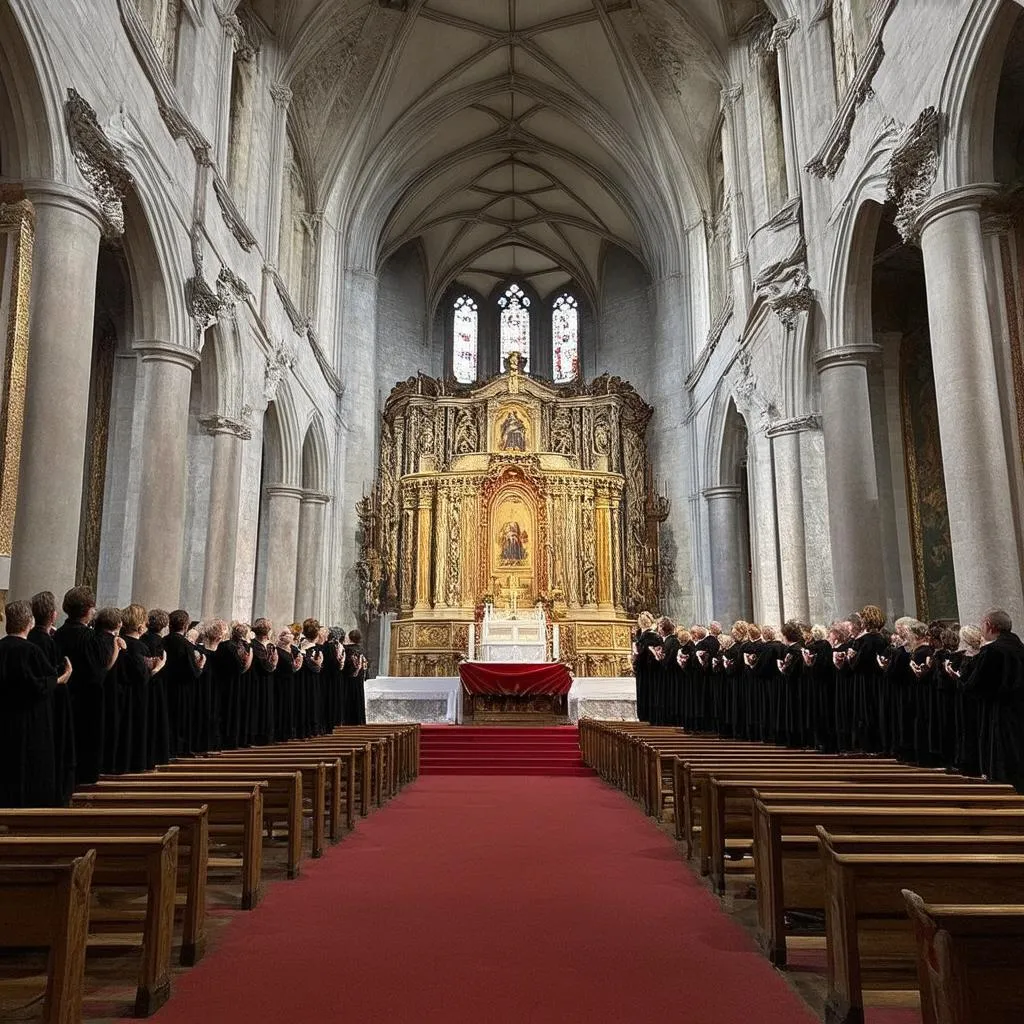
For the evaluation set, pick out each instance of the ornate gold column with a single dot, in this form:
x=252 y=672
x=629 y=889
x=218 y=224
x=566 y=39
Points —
x=440 y=599
x=424 y=541
x=408 y=529
x=617 y=545
x=603 y=542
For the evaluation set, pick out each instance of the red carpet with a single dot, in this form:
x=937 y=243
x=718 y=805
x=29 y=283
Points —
x=499 y=900
x=498 y=750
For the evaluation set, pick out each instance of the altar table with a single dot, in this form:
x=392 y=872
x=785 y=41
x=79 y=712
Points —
x=515 y=679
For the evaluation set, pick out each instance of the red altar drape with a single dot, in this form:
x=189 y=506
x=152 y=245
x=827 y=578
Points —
x=514 y=679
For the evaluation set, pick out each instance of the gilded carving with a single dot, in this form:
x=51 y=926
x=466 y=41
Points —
x=469 y=501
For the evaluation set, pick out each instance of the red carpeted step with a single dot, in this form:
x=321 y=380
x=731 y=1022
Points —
x=498 y=750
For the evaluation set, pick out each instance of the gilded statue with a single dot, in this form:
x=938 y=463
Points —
x=513 y=433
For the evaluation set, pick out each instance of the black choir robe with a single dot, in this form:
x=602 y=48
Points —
x=996 y=677
x=670 y=681
x=228 y=662
x=28 y=769
x=90 y=653
x=792 y=729
x=331 y=673
x=204 y=723
x=262 y=691
x=865 y=682
x=354 y=693
x=645 y=671
x=820 y=688
x=180 y=678
x=63 y=723
x=284 y=693
x=154 y=642
x=966 y=718
x=132 y=674
x=687 y=674
x=705 y=719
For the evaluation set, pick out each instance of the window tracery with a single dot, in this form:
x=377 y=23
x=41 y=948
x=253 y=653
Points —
x=565 y=339
x=465 y=324
x=514 y=327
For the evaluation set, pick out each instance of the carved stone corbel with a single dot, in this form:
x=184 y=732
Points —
x=101 y=163
x=786 y=285
x=912 y=170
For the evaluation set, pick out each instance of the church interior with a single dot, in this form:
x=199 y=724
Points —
x=521 y=501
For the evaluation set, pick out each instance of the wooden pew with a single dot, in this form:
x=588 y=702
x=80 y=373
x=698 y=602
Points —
x=146 y=863
x=970 y=961
x=728 y=803
x=321 y=780
x=869 y=936
x=235 y=816
x=356 y=771
x=787 y=868
x=193 y=849
x=282 y=800
x=47 y=905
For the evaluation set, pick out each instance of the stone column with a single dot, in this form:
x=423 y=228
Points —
x=222 y=528
x=855 y=525
x=603 y=538
x=46 y=526
x=159 y=539
x=789 y=516
x=424 y=542
x=726 y=552
x=617 y=548
x=981 y=517
x=782 y=32
x=282 y=97
x=309 y=564
x=282 y=539
x=732 y=159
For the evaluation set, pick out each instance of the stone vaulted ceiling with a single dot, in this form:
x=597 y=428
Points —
x=510 y=137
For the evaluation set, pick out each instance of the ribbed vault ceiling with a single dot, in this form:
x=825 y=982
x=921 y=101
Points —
x=510 y=137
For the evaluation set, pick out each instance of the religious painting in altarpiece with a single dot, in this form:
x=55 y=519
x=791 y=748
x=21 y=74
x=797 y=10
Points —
x=518 y=492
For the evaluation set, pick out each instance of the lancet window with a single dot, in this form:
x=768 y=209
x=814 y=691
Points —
x=514 y=329
x=464 y=339
x=565 y=339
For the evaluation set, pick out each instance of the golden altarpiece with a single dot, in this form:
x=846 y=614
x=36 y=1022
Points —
x=518 y=492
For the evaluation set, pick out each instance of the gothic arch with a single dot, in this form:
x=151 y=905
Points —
x=282 y=440
x=315 y=457
x=968 y=94
x=221 y=367
x=33 y=144
x=732 y=450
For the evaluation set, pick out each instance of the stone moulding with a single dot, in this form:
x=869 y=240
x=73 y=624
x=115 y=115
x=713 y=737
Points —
x=829 y=157
x=785 y=285
x=101 y=163
x=231 y=214
x=174 y=116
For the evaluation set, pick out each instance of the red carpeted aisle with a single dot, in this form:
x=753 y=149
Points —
x=501 y=899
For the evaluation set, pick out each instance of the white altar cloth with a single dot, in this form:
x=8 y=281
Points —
x=438 y=699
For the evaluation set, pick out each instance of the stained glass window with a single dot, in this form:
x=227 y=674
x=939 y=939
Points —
x=565 y=339
x=515 y=324
x=464 y=340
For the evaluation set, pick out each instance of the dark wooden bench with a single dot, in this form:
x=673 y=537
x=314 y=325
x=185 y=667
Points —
x=123 y=863
x=869 y=936
x=787 y=869
x=235 y=816
x=282 y=800
x=728 y=803
x=193 y=849
x=970 y=961
x=46 y=905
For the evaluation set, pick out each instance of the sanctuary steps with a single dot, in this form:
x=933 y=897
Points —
x=498 y=750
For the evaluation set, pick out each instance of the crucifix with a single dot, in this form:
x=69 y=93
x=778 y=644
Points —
x=513 y=595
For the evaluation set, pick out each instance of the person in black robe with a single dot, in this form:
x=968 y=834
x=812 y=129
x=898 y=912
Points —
x=355 y=680
x=156 y=626
x=264 y=667
x=920 y=703
x=135 y=671
x=996 y=677
x=966 y=716
x=231 y=662
x=866 y=679
x=28 y=767
x=668 y=666
x=686 y=657
x=793 y=721
x=289 y=662
x=313 y=659
x=820 y=685
x=204 y=722
x=331 y=676
x=108 y=621
x=91 y=653
x=644 y=664
x=706 y=647
x=724 y=672
x=44 y=611
x=181 y=673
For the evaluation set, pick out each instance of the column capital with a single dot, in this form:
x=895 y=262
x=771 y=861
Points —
x=956 y=200
x=812 y=421
x=723 y=492
x=217 y=424
x=166 y=352
x=281 y=94
x=283 y=491
x=65 y=197
x=847 y=355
